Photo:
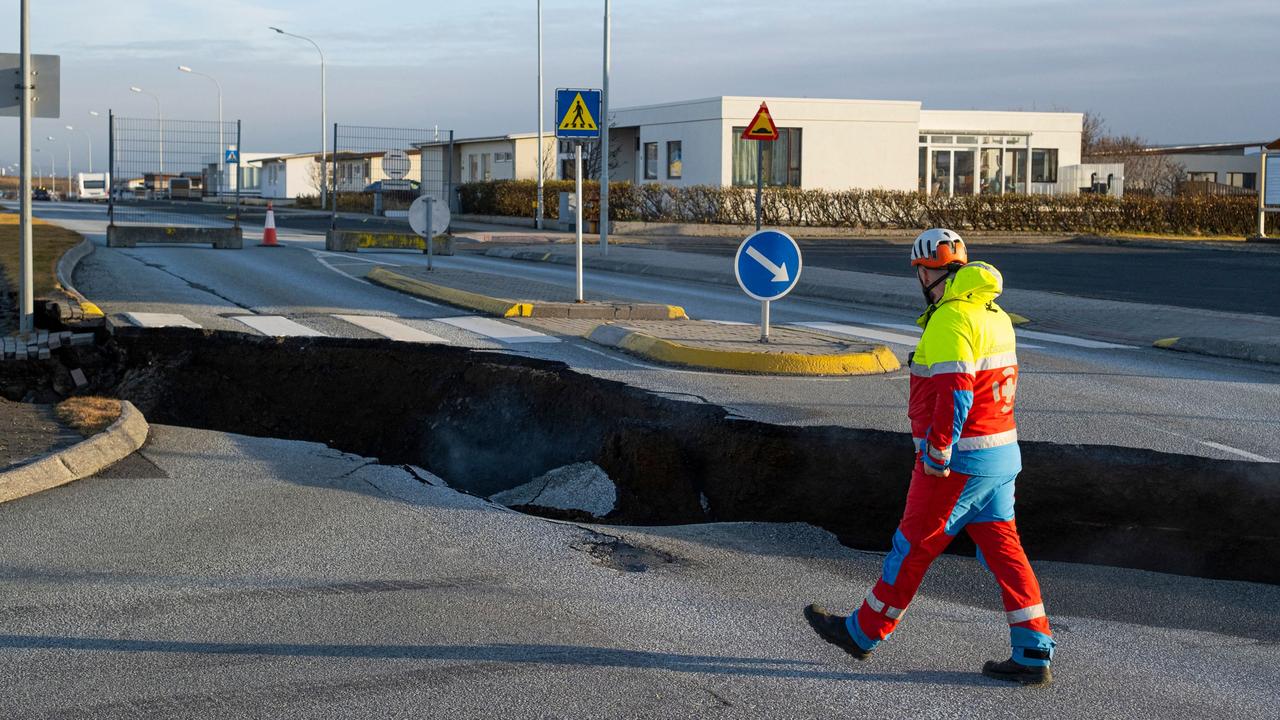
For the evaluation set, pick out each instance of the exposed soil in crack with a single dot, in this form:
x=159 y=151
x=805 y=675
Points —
x=486 y=422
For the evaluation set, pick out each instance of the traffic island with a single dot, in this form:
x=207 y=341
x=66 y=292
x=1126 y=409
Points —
x=503 y=296
x=737 y=348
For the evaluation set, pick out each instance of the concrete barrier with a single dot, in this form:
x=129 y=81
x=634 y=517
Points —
x=354 y=240
x=130 y=235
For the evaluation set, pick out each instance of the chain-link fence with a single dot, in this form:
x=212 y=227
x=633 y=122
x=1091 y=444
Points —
x=381 y=171
x=173 y=173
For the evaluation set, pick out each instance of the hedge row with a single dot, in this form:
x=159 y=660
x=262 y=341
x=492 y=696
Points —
x=878 y=209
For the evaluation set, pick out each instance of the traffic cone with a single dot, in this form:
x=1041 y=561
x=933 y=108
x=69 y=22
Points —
x=269 y=229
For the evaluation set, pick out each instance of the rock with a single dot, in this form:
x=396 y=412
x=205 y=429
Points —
x=581 y=486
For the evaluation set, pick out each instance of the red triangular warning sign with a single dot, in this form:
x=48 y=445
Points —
x=761 y=126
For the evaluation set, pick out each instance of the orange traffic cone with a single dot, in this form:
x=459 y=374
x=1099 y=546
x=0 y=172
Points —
x=269 y=229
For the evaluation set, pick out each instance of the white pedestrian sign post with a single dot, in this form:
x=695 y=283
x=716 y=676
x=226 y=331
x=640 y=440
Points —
x=577 y=111
x=767 y=265
x=429 y=217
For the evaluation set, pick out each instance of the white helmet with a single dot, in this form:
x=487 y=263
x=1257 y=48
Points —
x=938 y=248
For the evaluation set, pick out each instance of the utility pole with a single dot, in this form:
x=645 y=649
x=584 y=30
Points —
x=539 y=216
x=604 y=140
x=27 y=308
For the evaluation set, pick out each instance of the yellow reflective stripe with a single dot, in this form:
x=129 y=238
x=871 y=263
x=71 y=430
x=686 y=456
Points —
x=1025 y=614
x=983 y=442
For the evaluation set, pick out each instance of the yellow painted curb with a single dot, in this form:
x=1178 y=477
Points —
x=90 y=310
x=1167 y=343
x=88 y=457
x=1018 y=319
x=675 y=312
x=877 y=360
x=461 y=298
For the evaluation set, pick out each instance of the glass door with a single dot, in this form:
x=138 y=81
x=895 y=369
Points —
x=941 y=173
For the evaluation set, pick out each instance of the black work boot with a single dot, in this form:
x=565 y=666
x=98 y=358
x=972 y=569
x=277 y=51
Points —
x=1012 y=671
x=832 y=628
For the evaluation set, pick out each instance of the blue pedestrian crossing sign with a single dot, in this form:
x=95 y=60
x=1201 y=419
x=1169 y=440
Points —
x=232 y=157
x=577 y=113
x=768 y=264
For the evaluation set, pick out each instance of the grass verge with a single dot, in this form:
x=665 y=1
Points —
x=88 y=415
x=48 y=242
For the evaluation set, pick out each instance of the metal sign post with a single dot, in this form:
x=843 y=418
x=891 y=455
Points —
x=576 y=112
x=767 y=265
x=577 y=173
x=761 y=129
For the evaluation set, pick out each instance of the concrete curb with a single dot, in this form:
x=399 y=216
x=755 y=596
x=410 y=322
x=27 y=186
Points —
x=875 y=361
x=79 y=461
x=843 y=293
x=501 y=307
x=353 y=240
x=1260 y=352
x=66 y=269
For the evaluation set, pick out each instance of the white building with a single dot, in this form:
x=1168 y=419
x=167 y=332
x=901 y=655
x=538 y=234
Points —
x=1234 y=164
x=492 y=157
x=841 y=144
x=288 y=176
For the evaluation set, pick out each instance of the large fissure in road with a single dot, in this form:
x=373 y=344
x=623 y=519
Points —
x=488 y=421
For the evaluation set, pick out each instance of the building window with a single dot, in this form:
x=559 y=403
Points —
x=1246 y=180
x=1202 y=176
x=675 y=160
x=502 y=157
x=1044 y=165
x=781 y=159
x=651 y=161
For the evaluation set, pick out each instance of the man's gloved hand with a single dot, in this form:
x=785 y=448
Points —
x=935 y=472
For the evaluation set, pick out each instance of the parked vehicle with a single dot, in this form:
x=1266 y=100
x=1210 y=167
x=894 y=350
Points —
x=91 y=186
x=186 y=188
x=41 y=194
x=393 y=186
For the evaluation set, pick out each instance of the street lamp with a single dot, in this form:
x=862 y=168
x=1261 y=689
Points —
x=222 y=149
x=324 y=122
x=160 y=120
x=89 y=139
x=53 y=167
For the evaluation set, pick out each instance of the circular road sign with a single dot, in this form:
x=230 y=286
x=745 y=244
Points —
x=395 y=164
x=768 y=264
x=418 y=216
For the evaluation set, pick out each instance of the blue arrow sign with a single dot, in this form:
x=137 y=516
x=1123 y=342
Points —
x=768 y=264
x=233 y=156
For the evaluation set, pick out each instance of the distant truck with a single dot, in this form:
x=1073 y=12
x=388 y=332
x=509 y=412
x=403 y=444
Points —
x=91 y=186
x=186 y=187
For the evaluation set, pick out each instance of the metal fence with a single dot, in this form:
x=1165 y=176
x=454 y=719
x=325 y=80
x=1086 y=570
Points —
x=173 y=173
x=381 y=171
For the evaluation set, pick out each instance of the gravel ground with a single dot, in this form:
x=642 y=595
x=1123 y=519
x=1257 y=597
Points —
x=30 y=431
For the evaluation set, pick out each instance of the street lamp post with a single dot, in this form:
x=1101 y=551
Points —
x=324 y=122
x=604 y=136
x=53 y=167
x=88 y=139
x=222 y=149
x=539 y=216
x=160 y=120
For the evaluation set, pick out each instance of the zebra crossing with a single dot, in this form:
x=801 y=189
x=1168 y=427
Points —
x=387 y=327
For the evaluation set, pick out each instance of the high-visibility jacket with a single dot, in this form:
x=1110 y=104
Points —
x=964 y=378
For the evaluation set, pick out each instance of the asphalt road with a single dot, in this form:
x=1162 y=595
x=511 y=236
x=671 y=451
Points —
x=1128 y=396
x=1210 y=279
x=215 y=576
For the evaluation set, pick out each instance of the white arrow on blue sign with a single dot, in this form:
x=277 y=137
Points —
x=768 y=264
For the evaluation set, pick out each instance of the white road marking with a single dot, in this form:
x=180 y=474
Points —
x=1242 y=453
x=1075 y=341
x=390 y=329
x=1207 y=443
x=497 y=330
x=729 y=322
x=155 y=320
x=277 y=326
x=861 y=332
x=350 y=256
x=343 y=274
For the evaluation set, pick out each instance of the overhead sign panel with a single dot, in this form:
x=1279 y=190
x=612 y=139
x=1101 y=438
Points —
x=47 y=71
x=761 y=126
x=1272 y=197
x=577 y=113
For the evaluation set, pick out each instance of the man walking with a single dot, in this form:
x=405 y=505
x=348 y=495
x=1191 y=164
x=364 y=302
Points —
x=964 y=378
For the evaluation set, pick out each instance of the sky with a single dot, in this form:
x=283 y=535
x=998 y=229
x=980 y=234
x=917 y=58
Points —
x=1171 y=71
